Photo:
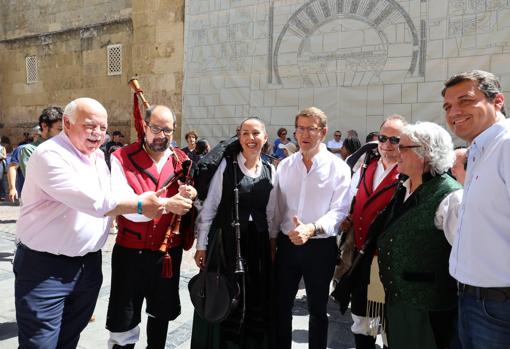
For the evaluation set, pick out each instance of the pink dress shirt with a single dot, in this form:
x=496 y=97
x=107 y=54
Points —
x=65 y=198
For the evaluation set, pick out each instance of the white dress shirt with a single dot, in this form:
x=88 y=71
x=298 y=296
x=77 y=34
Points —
x=332 y=144
x=65 y=198
x=212 y=201
x=481 y=251
x=319 y=196
x=121 y=187
x=379 y=175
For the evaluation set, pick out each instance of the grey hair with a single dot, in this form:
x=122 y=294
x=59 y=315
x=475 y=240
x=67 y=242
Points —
x=394 y=117
x=436 y=145
x=70 y=110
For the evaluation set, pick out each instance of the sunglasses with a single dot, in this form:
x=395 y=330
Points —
x=393 y=139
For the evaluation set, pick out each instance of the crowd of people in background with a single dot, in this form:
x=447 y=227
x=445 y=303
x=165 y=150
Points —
x=428 y=225
x=196 y=148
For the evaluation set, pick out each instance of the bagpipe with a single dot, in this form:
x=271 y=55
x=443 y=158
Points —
x=184 y=175
x=348 y=260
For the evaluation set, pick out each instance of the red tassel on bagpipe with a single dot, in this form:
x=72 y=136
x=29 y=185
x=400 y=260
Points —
x=166 y=268
x=137 y=115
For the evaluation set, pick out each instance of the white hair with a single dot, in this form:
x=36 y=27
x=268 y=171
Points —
x=436 y=145
x=69 y=111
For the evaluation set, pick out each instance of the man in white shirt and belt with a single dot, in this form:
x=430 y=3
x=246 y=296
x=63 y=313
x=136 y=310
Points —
x=64 y=221
x=312 y=198
x=480 y=257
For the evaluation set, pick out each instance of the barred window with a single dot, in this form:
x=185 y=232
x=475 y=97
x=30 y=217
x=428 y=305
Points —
x=114 y=56
x=31 y=69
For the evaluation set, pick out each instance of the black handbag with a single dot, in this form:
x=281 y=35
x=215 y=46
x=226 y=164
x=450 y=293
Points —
x=213 y=294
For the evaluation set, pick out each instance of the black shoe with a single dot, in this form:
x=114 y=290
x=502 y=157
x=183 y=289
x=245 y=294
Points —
x=364 y=342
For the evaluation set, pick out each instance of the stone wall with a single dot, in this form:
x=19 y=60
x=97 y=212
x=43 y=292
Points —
x=71 y=64
x=71 y=46
x=24 y=17
x=158 y=52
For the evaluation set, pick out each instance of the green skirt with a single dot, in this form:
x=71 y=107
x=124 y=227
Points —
x=409 y=327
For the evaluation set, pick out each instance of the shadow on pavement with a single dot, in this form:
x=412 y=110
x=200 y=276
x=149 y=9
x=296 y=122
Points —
x=6 y=257
x=8 y=330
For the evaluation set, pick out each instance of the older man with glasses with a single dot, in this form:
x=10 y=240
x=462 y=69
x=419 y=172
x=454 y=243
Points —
x=143 y=266
x=373 y=187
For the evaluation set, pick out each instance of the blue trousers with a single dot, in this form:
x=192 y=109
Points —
x=55 y=297
x=484 y=323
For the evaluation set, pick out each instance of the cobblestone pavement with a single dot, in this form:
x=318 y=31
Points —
x=179 y=332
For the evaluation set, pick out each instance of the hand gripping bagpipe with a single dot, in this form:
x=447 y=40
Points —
x=173 y=231
x=185 y=175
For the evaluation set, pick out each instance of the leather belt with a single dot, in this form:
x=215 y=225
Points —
x=500 y=294
x=59 y=256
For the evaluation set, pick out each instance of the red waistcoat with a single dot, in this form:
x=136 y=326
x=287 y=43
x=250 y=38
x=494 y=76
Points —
x=142 y=175
x=369 y=202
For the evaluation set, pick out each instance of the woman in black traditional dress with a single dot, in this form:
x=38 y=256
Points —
x=255 y=180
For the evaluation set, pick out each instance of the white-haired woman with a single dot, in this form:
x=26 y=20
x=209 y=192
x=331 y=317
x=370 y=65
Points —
x=415 y=243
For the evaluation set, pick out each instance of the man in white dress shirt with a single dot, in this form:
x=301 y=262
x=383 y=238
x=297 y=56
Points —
x=64 y=222
x=334 y=145
x=312 y=198
x=480 y=257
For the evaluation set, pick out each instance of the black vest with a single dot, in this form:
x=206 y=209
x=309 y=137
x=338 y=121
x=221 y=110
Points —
x=253 y=197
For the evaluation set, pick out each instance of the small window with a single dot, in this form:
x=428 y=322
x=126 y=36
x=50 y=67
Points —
x=114 y=54
x=31 y=68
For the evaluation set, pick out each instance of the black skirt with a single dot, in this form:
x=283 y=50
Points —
x=255 y=328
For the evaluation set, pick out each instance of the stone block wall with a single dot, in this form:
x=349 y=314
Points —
x=358 y=60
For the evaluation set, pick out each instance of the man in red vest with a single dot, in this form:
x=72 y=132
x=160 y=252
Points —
x=377 y=184
x=147 y=254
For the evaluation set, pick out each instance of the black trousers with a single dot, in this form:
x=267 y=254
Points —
x=315 y=262
x=136 y=275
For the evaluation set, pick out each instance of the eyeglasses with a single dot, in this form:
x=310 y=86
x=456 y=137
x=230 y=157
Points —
x=393 y=139
x=401 y=147
x=156 y=130
x=283 y=134
x=311 y=130
x=338 y=135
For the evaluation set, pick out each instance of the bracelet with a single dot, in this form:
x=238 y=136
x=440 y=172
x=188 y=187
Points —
x=139 y=207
